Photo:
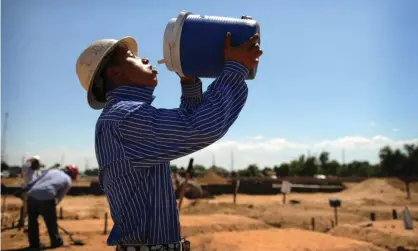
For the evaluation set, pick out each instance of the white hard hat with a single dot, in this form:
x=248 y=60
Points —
x=37 y=158
x=91 y=61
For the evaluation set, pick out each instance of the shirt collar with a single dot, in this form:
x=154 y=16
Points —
x=132 y=93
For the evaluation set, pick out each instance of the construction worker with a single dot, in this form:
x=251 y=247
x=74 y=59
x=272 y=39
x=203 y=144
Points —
x=30 y=171
x=135 y=141
x=43 y=195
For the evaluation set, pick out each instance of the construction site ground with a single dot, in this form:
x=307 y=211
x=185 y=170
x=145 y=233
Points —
x=256 y=222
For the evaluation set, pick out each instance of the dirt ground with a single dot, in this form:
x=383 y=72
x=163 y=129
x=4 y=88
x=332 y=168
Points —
x=257 y=222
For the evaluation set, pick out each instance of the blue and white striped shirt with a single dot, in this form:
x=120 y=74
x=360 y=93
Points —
x=135 y=143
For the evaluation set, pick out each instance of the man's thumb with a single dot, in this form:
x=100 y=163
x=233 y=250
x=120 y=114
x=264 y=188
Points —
x=228 y=40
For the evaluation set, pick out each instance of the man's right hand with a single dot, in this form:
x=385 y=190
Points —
x=246 y=54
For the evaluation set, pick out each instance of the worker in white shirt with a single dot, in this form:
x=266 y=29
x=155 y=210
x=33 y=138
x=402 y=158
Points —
x=30 y=171
x=43 y=194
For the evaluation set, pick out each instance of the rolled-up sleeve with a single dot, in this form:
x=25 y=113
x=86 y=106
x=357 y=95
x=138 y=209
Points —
x=153 y=135
x=191 y=95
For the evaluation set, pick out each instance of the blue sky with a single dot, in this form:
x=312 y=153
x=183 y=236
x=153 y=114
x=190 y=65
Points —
x=334 y=75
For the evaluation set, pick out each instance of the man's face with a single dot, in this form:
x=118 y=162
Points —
x=131 y=69
x=35 y=164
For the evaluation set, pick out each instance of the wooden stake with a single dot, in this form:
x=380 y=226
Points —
x=236 y=191
x=336 y=215
x=105 y=223
x=185 y=184
x=3 y=209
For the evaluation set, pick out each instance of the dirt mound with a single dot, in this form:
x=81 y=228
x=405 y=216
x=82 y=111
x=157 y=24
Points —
x=381 y=185
x=283 y=216
x=211 y=178
x=193 y=225
x=387 y=234
x=276 y=240
x=14 y=240
x=88 y=229
x=374 y=187
x=399 y=184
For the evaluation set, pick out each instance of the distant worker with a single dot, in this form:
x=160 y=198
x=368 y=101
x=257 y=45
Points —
x=135 y=141
x=30 y=171
x=44 y=193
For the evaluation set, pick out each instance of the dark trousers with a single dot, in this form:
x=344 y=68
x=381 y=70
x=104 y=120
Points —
x=48 y=211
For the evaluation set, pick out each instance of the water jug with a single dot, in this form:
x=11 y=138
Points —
x=193 y=44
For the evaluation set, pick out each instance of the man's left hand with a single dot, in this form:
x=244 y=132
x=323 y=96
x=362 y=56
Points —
x=187 y=80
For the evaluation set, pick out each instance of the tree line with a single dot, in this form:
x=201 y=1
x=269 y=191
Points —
x=393 y=162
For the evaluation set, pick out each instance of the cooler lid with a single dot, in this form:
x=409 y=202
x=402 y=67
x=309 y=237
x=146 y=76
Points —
x=171 y=44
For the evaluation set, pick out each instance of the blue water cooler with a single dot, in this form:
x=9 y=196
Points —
x=193 y=44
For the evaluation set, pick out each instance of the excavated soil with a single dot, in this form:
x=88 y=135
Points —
x=277 y=240
x=256 y=222
x=388 y=234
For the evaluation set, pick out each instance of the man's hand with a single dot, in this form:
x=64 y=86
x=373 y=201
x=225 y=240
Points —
x=246 y=54
x=187 y=80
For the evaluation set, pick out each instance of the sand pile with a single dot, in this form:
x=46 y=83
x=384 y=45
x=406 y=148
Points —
x=263 y=240
x=190 y=224
x=198 y=224
x=211 y=178
x=84 y=207
x=14 y=240
x=379 y=191
x=399 y=184
x=374 y=187
x=276 y=240
x=388 y=234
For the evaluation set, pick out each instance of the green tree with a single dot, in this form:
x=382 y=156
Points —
x=244 y=173
x=173 y=168
x=267 y=171
x=399 y=163
x=92 y=172
x=283 y=170
x=411 y=166
x=333 y=168
x=253 y=170
x=4 y=166
x=359 y=169
x=324 y=160
x=310 y=167
x=412 y=159
x=199 y=168
x=392 y=161
x=296 y=166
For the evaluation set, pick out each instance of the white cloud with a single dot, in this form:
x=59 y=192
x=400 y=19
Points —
x=263 y=151
x=257 y=137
